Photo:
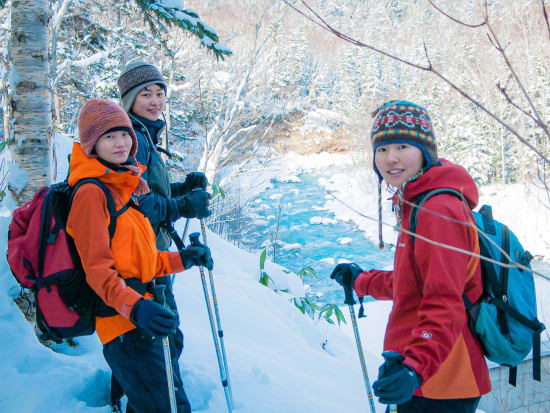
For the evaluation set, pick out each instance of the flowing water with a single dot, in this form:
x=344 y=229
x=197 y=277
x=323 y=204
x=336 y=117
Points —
x=310 y=236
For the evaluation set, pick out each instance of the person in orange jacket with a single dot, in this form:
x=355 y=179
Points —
x=433 y=362
x=122 y=269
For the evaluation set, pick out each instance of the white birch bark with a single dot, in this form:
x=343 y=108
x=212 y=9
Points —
x=32 y=118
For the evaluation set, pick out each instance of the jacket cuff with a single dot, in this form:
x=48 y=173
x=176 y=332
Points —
x=176 y=265
x=361 y=283
x=416 y=366
x=129 y=302
x=172 y=213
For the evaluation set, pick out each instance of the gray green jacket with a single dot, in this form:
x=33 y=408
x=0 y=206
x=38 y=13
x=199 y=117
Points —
x=157 y=205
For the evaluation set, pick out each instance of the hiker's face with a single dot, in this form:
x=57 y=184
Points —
x=149 y=102
x=398 y=162
x=114 y=147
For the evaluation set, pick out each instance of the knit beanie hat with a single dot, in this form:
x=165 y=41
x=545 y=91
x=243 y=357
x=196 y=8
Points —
x=96 y=118
x=400 y=121
x=135 y=76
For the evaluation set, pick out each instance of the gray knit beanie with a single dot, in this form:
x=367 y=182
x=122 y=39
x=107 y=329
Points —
x=135 y=76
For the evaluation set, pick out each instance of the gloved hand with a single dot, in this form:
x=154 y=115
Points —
x=153 y=318
x=346 y=274
x=197 y=254
x=396 y=381
x=192 y=180
x=194 y=204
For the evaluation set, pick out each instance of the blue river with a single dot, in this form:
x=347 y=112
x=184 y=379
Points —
x=317 y=245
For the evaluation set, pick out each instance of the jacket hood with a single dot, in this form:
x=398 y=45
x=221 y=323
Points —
x=446 y=175
x=82 y=167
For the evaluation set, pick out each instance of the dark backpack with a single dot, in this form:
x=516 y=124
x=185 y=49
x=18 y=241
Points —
x=504 y=318
x=44 y=260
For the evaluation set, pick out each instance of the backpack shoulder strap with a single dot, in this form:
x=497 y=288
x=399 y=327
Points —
x=419 y=202
x=111 y=206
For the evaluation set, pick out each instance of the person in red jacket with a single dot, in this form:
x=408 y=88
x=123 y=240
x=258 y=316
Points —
x=433 y=363
x=122 y=269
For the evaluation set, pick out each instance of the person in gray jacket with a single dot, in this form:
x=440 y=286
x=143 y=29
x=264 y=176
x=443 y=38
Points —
x=143 y=96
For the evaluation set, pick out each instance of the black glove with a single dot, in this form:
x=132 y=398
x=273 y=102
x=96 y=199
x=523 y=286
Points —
x=153 y=318
x=198 y=254
x=396 y=381
x=192 y=180
x=346 y=274
x=194 y=204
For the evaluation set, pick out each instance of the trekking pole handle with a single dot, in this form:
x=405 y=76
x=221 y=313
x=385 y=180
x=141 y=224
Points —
x=194 y=238
x=348 y=298
x=158 y=294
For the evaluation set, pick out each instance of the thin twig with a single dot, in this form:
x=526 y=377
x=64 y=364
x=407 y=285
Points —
x=327 y=27
x=473 y=26
x=545 y=17
x=450 y=247
x=500 y=49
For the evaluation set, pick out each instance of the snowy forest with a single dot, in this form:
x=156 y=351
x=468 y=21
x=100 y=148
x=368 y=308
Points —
x=264 y=97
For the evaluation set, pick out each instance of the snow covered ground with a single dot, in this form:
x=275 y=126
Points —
x=279 y=359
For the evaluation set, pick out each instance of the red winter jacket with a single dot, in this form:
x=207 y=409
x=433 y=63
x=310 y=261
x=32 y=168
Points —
x=428 y=322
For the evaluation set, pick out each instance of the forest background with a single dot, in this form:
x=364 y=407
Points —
x=228 y=103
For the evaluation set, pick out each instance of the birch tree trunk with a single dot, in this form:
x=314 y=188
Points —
x=32 y=117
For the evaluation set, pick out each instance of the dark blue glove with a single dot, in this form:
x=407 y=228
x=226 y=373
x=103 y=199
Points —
x=194 y=204
x=396 y=381
x=153 y=318
x=192 y=180
x=197 y=254
x=346 y=274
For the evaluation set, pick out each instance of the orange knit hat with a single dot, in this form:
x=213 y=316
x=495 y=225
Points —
x=99 y=116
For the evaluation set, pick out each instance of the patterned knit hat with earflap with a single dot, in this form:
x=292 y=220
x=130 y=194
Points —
x=134 y=77
x=401 y=121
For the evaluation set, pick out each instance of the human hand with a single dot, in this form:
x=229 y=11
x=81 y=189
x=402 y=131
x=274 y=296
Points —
x=346 y=274
x=396 y=381
x=194 y=204
x=153 y=318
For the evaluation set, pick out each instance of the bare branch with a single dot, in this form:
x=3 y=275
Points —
x=330 y=29
x=545 y=17
x=502 y=90
x=446 y=246
x=344 y=37
x=519 y=83
x=473 y=26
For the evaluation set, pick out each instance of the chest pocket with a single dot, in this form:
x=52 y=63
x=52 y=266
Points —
x=133 y=246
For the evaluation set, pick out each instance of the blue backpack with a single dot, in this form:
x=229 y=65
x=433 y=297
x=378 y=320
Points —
x=504 y=318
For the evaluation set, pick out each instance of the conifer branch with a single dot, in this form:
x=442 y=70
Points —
x=186 y=19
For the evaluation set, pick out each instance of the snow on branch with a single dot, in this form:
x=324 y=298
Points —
x=172 y=12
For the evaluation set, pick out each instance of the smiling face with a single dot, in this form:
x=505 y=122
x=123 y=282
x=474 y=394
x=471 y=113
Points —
x=114 y=147
x=398 y=162
x=149 y=102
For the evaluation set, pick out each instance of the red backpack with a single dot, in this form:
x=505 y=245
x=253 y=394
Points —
x=44 y=260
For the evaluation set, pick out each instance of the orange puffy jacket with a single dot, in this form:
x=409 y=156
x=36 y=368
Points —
x=133 y=252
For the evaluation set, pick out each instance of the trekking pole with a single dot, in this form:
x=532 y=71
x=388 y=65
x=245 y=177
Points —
x=194 y=238
x=350 y=301
x=218 y=319
x=158 y=293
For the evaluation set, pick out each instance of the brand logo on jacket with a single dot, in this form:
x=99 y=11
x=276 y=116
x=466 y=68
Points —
x=426 y=335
